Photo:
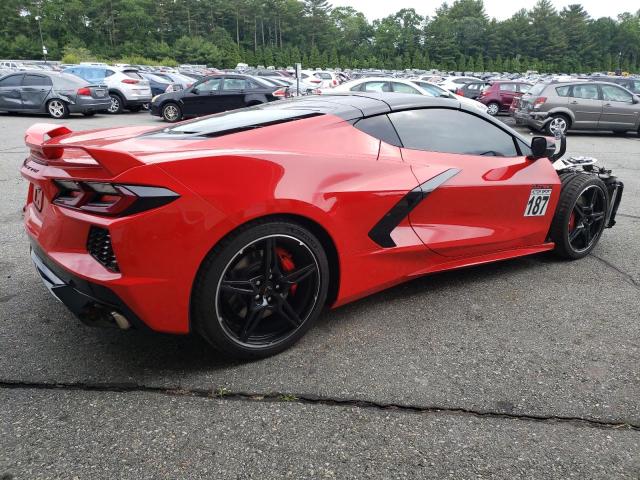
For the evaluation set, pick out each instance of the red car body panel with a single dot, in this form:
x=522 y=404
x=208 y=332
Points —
x=320 y=169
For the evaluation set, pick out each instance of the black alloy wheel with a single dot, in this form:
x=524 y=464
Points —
x=271 y=287
x=587 y=219
x=580 y=216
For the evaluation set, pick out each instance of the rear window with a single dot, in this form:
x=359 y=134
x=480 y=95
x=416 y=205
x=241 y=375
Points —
x=537 y=89
x=133 y=74
x=238 y=120
x=563 y=91
x=324 y=76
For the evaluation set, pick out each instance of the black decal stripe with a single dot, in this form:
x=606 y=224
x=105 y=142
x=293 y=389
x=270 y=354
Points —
x=381 y=231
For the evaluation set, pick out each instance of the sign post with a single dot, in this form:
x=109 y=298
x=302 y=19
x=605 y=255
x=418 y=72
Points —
x=298 y=68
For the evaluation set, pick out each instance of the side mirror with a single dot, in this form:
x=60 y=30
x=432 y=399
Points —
x=635 y=99
x=194 y=90
x=542 y=147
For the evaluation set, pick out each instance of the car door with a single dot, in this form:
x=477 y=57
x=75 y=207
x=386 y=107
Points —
x=202 y=98
x=232 y=92
x=586 y=105
x=477 y=183
x=507 y=91
x=399 y=87
x=618 y=110
x=34 y=91
x=10 y=97
x=376 y=86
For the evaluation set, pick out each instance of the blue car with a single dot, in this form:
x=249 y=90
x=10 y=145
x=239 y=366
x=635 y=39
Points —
x=160 y=85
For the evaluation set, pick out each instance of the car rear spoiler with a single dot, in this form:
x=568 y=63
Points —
x=43 y=139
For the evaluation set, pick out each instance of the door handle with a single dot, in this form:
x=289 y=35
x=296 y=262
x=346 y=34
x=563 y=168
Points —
x=607 y=104
x=573 y=103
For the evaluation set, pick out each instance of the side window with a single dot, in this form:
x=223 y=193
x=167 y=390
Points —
x=379 y=127
x=253 y=85
x=615 y=94
x=209 y=85
x=402 y=88
x=588 y=92
x=234 y=84
x=375 y=87
x=523 y=87
x=36 y=80
x=635 y=87
x=107 y=73
x=507 y=87
x=563 y=91
x=11 y=81
x=438 y=130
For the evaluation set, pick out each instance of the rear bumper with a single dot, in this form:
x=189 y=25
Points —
x=534 y=120
x=90 y=106
x=95 y=305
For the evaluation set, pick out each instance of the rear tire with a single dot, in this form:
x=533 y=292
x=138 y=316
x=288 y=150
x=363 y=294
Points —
x=117 y=104
x=557 y=122
x=493 y=108
x=580 y=216
x=57 y=108
x=248 y=303
x=171 y=112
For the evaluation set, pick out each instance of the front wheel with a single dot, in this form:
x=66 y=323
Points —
x=171 y=112
x=260 y=289
x=57 y=108
x=580 y=216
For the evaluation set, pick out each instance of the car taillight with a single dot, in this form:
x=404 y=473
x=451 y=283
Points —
x=460 y=92
x=109 y=199
x=335 y=82
x=84 y=91
x=281 y=92
x=130 y=81
x=538 y=102
x=315 y=80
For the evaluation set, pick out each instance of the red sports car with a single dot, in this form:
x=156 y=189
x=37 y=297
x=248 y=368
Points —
x=243 y=225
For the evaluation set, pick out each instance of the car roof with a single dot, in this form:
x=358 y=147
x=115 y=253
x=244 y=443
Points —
x=355 y=105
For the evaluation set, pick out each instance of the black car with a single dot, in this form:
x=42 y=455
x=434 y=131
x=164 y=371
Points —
x=57 y=94
x=213 y=94
x=471 y=90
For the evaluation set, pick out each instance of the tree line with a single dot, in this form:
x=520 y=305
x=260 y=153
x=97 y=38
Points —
x=221 y=33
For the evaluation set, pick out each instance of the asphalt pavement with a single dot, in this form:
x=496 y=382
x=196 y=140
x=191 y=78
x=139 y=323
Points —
x=528 y=368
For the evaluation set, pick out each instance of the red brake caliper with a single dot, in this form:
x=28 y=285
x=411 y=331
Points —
x=287 y=265
x=572 y=222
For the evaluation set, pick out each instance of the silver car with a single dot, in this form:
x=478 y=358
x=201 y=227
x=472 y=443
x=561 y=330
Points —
x=57 y=94
x=579 y=105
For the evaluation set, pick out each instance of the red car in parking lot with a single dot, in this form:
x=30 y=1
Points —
x=499 y=95
x=242 y=226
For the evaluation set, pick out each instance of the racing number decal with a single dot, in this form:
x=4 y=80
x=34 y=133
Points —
x=538 y=201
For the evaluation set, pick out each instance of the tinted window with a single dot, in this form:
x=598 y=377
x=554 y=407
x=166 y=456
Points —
x=209 y=85
x=11 y=81
x=35 y=80
x=238 y=120
x=615 y=94
x=379 y=127
x=563 y=91
x=507 y=87
x=402 y=88
x=133 y=74
x=234 y=84
x=588 y=92
x=439 y=130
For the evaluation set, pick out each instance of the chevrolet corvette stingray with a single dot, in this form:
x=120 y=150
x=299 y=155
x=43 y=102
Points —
x=243 y=225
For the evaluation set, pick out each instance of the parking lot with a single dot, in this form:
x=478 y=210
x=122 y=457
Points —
x=522 y=369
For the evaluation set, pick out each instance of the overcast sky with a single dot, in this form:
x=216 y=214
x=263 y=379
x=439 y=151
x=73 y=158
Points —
x=499 y=9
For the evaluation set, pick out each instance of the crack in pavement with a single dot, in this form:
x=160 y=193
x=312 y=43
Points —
x=626 y=215
x=221 y=393
x=630 y=280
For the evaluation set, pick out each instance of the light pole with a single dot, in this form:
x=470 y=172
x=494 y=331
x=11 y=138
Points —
x=44 y=49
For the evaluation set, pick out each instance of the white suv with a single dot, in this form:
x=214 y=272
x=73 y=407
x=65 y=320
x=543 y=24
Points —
x=320 y=78
x=127 y=88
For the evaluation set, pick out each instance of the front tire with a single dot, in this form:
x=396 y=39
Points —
x=580 y=216
x=260 y=289
x=171 y=112
x=57 y=108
